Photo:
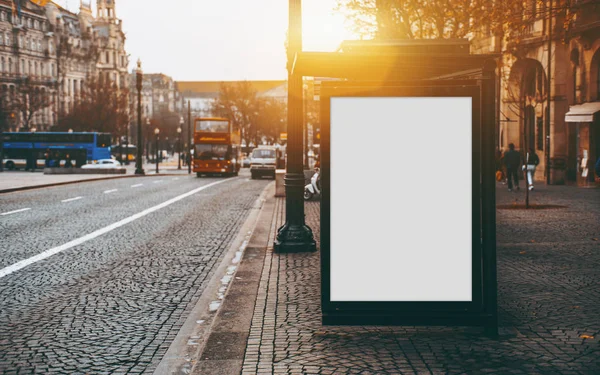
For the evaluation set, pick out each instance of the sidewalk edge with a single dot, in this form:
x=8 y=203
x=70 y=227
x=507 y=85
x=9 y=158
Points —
x=192 y=338
x=225 y=348
x=32 y=187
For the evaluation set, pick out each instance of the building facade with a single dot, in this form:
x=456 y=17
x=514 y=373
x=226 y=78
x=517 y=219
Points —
x=47 y=54
x=548 y=74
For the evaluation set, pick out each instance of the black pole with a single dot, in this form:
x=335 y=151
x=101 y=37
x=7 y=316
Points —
x=127 y=144
x=157 y=154
x=179 y=149
x=138 y=158
x=548 y=180
x=305 y=126
x=294 y=235
x=190 y=137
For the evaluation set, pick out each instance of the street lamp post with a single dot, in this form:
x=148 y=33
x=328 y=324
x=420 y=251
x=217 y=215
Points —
x=156 y=131
x=190 y=137
x=147 y=140
x=179 y=146
x=33 y=155
x=294 y=235
x=138 y=157
x=127 y=144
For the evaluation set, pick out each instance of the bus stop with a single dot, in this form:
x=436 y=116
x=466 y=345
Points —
x=396 y=251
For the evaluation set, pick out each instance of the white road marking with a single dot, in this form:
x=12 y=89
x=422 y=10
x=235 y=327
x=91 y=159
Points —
x=71 y=199
x=110 y=191
x=55 y=250
x=137 y=185
x=15 y=211
x=157 y=181
x=176 y=178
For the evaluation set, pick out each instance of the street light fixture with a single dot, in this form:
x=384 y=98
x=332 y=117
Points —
x=156 y=131
x=179 y=145
x=138 y=157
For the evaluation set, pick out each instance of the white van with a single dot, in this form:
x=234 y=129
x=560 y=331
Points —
x=263 y=161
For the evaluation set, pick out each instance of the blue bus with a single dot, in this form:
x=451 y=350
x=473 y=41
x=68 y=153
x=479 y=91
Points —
x=19 y=148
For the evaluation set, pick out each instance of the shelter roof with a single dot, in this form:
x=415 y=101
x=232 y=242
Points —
x=205 y=87
x=385 y=65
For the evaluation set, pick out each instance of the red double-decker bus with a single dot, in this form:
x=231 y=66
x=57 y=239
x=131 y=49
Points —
x=216 y=147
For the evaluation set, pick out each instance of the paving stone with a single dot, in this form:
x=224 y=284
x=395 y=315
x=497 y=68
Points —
x=547 y=264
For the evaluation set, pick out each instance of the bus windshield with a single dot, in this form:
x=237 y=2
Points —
x=212 y=126
x=211 y=152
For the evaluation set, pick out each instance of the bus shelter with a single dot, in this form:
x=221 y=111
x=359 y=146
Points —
x=407 y=225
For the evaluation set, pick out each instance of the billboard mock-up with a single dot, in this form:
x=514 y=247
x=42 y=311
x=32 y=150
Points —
x=400 y=185
x=402 y=240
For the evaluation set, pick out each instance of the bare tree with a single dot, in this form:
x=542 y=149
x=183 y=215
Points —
x=27 y=99
x=102 y=108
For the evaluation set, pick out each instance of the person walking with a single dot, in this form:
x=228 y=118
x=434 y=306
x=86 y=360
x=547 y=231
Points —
x=512 y=161
x=597 y=167
x=532 y=162
x=68 y=163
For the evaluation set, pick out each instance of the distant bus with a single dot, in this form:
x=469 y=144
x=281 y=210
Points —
x=129 y=152
x=79 y=147
x=216 y=147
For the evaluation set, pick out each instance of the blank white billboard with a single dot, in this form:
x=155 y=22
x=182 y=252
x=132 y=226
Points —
x=401 y=199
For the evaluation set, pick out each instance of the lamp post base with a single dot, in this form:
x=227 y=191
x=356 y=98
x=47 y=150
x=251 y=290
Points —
x=294 y=239
x=140 y=171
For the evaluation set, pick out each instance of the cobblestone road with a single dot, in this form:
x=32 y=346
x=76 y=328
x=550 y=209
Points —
x=115 y=303
x=549 y=305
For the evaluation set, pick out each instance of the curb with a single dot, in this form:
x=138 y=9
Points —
x=22 y=188
x=225 y=347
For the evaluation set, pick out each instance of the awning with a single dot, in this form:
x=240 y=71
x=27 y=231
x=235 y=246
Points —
x=582 y=112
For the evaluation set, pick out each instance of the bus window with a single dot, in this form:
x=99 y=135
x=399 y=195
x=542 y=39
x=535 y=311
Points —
x=210 y=152
x=212 y=126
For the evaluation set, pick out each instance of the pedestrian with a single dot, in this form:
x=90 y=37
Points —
x=47 y=158
x=531 y=163
x=68 y=163
x=598 y=167
x=512 y=161
x=188 y=158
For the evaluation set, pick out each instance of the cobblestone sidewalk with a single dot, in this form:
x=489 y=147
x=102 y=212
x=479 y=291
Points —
x=549 y=305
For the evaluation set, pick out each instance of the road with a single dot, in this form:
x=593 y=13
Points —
x=119 y=264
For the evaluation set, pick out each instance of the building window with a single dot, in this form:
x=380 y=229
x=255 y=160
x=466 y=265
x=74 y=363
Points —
x=10 y=65
x=37 y=72
x=20 y=41
x=52 y=72
x=30 y=68
x=3 y=64
x=36 y=25
x=42 y=70
x=540 y=133
x=43 y=26
x=7 y=39
x=29 y=23
x=3 y=15
x=107 y=57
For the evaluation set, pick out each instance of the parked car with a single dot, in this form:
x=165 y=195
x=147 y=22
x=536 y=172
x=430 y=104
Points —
x=103 y=164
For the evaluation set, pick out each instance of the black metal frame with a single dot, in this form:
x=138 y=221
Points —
x=482 y=310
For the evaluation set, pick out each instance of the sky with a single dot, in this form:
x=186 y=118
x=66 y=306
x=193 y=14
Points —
x=220 y=40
